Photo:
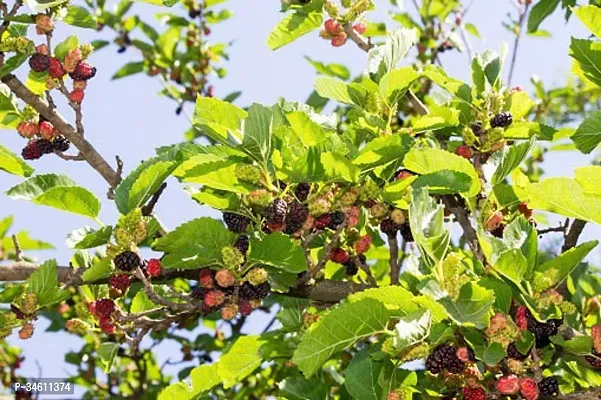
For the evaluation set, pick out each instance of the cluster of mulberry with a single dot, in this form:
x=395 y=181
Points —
x=444 y=357
x=222 y=290
x=43 y=138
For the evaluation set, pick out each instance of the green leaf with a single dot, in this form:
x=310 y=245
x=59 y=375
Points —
x=426 y=161
x=215 y=173
x=513 y=265
x=62 y=49
x=412 y=329
x=520 y=104
x=13 y=164
x=382 y=150
x=561 y=267
x=204 y=378
x=278 y=250
x=335 y=89
x=581 y=345
x=460 y=90
x=139 y=186
x=293 y=26
x=300 y=388
x=472 y=308
x=44 y=284
x=427 y=225
x=491 y=354
x=107 y=352
x=141 y=302
x=218 y=118
x=565 y=196
x=337 y=330
x=176 y=391
x=333 y=70
x=217 y=199
x=5 y=225
x=36 y=82
x=13 y=63
x=588 y=134
x=99 y=270
x=38 y=185
x=258 y=132
x=502 y=291
x=591 y=17
x=394 y=84
x=337 y=167
x=74 y=199
x=9 y=293
x=588 y=55
x=472 y=30
x=362 y=377
x=128 y=69
x=437 y=118
x=194 y=243
x=444 y=182
x=512 y=157
x=88 y=238
x=308 y=131
x=385 y=58
x=81 y=17
x=539 y=12
x=590 y=178
x=240 y=360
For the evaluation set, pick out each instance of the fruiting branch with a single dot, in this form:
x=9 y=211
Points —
x=88 y=151
x=149 y=208
x=326 y=291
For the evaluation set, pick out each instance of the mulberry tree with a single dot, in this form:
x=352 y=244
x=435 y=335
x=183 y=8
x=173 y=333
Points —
x=396 y=231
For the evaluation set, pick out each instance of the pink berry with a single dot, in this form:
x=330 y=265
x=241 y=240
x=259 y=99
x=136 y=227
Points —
x=339 y=40
x=76 y=96
x=360 y=28
x=464 y=151
x=153 y=267
x=332 y=27
x=508 y=384
x=42 y=49
x=47 y=130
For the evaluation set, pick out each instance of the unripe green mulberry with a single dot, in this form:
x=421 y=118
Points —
x=379 y=210
x=369 y=190
x=140 y=232
x=259 y=198
x=346 y=3
x=123 y=237
x=86 y=50
x=231 y=257
x=30 y=303
x=349 y=197
x=77 y=326
x=319 y=206
x=24 y=45
x=373 y=104
x=415 y=352
x=257 y=276
x=248 y=173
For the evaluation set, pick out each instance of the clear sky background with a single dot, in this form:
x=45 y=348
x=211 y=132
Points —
x=128 y=119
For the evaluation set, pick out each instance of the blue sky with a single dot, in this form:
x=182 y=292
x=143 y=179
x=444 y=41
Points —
x=128 y=119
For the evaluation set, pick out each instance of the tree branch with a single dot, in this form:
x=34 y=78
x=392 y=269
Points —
x=462 y=216
x=18 y=251
x=322 y=292
x=571 y=238
x=88 y=151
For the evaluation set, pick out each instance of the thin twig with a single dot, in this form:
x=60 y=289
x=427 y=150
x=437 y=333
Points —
x=8 y=14
x=328 y=249
x=516 y=43
x=393 y=261
x=18 y=251
x=561 y=228
x=155 y=297
x=149 y=208
x=67 y=157
x=367 y=270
